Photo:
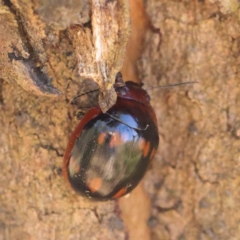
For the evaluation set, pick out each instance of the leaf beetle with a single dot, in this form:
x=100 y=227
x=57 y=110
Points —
x=108 y=153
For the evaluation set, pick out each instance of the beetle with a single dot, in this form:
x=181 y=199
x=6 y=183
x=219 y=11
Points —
x=108 y=153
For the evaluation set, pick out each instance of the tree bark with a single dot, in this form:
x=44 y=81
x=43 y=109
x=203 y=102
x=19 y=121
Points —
x=191 y=189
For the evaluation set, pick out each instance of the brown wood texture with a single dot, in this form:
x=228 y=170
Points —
x=191 y=190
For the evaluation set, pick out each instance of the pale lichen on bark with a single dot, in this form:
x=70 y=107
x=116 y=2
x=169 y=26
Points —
x=102 y=54
x=99 y=48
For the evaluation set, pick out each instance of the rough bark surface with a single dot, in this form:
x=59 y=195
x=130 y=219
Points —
x=191 y=190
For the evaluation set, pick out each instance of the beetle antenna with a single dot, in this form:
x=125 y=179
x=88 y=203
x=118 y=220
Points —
x=81 y=94
x=171 y=85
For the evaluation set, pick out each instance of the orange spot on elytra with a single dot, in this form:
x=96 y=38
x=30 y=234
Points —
x=142 y=143
x=101 y=138
x=74 y=166
x=95 y=184
x=77 y=168
x=146 y=149
x=116 y=139
x=120 y=193
x=152 y=153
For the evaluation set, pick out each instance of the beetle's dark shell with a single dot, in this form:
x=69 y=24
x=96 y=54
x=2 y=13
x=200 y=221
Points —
x=108 y=154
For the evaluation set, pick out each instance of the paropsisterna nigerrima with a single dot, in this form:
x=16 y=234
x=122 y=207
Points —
x=109 y=153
